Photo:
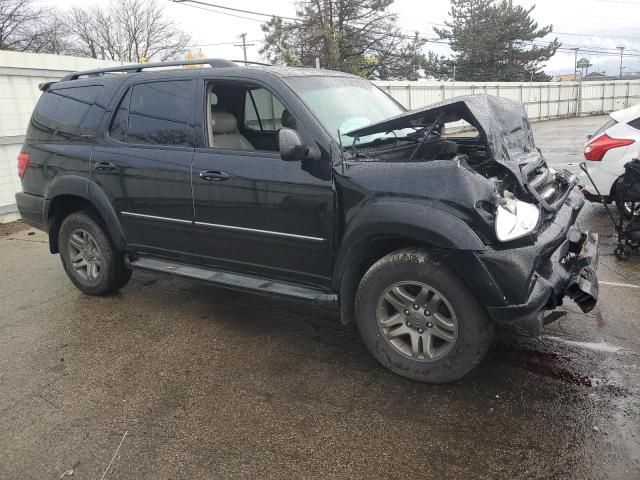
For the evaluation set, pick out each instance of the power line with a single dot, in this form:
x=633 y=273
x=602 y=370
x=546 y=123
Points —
x=224 y=7
x=217 y=11
x=217 y=44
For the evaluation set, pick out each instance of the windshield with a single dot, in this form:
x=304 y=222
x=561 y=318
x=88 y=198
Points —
x=345 y=104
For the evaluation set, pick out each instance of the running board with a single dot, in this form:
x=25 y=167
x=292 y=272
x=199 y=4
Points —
x=236 y=281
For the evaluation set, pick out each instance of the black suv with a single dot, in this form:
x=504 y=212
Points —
x=426 y=227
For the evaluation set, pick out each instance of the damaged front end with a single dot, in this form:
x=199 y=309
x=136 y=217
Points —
x=499 y=184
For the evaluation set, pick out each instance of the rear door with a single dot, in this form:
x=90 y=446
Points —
x=144 y=166
x=260 y=214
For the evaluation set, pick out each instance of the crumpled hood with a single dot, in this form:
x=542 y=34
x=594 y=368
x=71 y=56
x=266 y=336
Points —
x=502 y=123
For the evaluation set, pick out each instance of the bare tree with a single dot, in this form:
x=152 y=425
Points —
x=21 y=24
x=126 y=30
x=54 y=36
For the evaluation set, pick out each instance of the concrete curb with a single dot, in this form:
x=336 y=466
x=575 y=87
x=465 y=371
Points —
x=9 y=213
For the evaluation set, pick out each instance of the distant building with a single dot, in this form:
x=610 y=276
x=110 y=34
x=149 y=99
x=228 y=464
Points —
x=567 y=77
x=598 y=76
x=595 y=76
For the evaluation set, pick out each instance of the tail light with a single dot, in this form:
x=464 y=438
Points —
x=23 y=163
x=597 y=148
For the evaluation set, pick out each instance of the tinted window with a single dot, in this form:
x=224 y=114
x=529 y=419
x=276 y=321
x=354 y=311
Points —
x=120 y=121
x=635 y=123
x=66 y=112
x=156 y=113
x=262 y=111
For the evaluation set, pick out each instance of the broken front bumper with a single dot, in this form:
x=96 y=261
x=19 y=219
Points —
x=536 y=278
x=570 y=272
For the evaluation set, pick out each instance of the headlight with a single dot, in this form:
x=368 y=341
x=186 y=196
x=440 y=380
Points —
x=515 y=219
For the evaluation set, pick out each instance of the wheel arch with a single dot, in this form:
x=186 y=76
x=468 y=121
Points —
x=70 y=193
x=381 y=228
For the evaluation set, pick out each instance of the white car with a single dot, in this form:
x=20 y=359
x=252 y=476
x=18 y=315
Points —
x=608 y=150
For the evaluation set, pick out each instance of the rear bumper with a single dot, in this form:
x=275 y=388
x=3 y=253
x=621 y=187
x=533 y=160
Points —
x=31 y=208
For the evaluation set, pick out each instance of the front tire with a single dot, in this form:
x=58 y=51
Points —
x=419 y=320
x=89 y=258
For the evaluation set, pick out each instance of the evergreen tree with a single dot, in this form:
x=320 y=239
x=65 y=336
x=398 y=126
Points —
x=496 y=41
x=355 y=36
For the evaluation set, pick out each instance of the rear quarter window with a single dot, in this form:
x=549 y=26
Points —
x=608 y=124
x=635 y=123
x=64 y=113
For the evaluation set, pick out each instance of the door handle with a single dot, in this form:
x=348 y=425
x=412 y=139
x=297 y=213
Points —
x=104 y=166
x=214 y=176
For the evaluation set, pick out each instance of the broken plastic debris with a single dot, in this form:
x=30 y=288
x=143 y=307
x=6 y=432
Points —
x=69 y=473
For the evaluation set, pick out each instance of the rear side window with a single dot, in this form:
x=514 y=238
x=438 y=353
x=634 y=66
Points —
x=262 y=111
x=635 y=123
x=63 y=113
x=156 y=113
x=610 y=123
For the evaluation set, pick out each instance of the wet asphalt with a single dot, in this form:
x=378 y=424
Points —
x=207 y=383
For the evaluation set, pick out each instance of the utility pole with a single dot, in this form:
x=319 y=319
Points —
x=244 y=46
x=454 y=72
x=621 y=52
x=575 y=62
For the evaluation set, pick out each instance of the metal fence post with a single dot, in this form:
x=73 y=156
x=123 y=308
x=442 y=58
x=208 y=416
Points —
x=579 y=98
x=539 y=102
x=521 y=93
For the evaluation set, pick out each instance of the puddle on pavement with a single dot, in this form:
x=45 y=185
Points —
x=549 y=364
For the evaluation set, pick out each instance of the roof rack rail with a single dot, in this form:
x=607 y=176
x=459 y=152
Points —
x=252 y=63
x=139 y=67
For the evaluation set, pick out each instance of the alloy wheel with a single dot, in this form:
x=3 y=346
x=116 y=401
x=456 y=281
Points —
x=417 y=321
x=84 y=254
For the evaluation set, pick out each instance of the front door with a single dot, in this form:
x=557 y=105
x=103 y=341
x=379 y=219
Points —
x=144 y=166
x=254 y=212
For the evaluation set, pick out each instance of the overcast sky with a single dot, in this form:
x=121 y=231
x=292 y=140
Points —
x=600 y=24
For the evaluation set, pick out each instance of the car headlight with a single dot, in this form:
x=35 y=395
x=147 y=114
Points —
x=515 y=219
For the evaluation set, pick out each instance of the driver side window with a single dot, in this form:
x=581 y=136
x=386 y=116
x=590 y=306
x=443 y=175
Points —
x=262 y=111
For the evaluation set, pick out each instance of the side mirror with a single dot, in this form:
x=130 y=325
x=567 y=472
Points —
x=589 y=137
x=293 y=148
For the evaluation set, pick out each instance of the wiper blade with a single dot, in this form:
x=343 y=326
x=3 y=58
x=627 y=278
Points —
x=383 y=140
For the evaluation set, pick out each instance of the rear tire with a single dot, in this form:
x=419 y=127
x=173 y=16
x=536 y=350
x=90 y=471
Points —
x=91 y=261
x=445 y=333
